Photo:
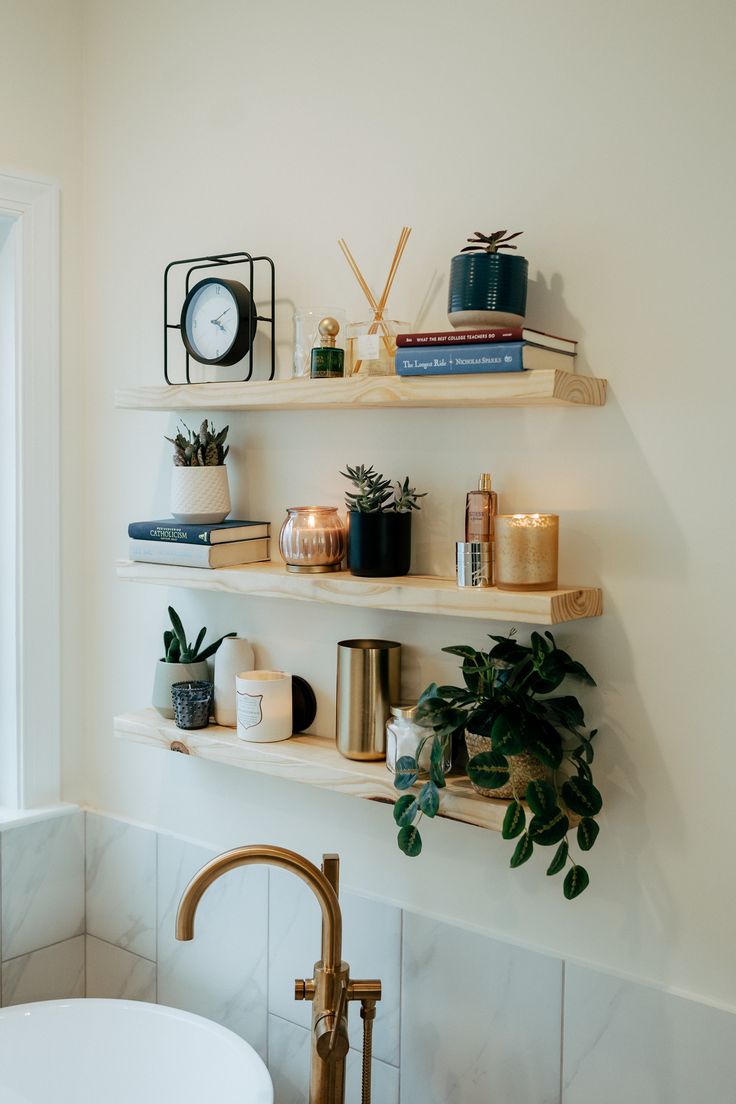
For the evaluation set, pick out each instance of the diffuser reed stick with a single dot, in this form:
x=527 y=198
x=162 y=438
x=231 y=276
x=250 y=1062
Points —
x=378 y=307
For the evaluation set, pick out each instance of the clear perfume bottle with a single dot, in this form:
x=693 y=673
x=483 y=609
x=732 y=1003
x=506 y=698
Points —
x=328 y=362
x=481 y=507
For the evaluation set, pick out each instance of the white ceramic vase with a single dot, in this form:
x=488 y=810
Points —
x=234 y=656
x=169 y=673
x=200 y=495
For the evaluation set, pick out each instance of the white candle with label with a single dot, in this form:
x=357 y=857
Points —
x=265 y=712
x=525 y=548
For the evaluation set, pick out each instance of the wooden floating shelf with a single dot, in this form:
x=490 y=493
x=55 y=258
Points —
x=543 y=387
x=408 y=594
x=311 y=760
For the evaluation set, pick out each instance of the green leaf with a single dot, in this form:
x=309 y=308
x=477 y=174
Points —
x=565 y=710
x=506 y=732
x=490 y=769
x=407 y=772
x=522 y=852
x=212 y=648
x=543 y=742
x=410 y=842
x=587 y=833
x=541 y=798
x=461 y=650
x=514 y=821
x=558 y=862
x=181 y=636
x=549 y=830
x=429 y=799
x=581 y=797
x=405 y=809
x=576 y=880
x=436 y=764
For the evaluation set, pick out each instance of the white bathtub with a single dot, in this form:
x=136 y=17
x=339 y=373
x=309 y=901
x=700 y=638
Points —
x=123 y=1052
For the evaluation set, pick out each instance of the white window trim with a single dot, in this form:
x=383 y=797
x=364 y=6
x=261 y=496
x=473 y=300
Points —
x=34 y=760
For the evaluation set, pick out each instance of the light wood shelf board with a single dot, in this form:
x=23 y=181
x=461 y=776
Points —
x=543 y=387
x=310 y=760
x=408 y=594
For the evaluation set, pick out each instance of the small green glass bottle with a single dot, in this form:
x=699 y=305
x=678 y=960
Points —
x=328 y=362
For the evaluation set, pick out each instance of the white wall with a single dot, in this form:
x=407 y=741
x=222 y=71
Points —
x=41 y=135
x=601 y=132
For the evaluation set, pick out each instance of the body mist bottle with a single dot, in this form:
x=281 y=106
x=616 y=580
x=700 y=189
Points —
x=481 y=507
x=328 y=362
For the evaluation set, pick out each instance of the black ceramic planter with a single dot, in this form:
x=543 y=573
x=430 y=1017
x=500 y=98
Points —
x=379 y=545
x=487 y=289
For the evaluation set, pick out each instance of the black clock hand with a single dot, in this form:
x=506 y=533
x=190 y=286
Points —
x=216 y=320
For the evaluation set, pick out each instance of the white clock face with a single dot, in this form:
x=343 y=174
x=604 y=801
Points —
x=212 y=321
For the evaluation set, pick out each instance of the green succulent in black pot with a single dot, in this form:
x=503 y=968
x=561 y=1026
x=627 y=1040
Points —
x=526 y=744
x=487 y=287
x=379 y=523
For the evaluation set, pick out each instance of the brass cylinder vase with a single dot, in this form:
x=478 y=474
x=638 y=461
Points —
x=368 y=682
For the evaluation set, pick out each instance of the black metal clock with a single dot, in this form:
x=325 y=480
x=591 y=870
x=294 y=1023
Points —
x=218 y=321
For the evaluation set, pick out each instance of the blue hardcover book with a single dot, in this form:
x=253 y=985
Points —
x=175 y=532
x=457 y=360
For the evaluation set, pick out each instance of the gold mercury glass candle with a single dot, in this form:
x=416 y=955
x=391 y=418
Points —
x=526 y=551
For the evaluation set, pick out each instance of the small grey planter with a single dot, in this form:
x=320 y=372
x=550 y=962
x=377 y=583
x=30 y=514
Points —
x=169 y=673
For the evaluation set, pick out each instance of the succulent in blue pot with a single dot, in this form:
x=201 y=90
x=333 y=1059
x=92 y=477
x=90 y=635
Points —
x=488 y=287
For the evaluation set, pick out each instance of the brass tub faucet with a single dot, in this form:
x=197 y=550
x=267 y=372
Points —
x=330 y=989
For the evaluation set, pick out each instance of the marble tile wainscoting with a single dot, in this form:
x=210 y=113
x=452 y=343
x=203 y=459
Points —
x=87 y=907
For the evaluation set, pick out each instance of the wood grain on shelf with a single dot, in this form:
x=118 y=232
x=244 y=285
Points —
x=408 y=594
x=544 y=387
x=311 y=760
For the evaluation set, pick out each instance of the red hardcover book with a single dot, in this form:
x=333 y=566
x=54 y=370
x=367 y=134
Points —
x=487 y=336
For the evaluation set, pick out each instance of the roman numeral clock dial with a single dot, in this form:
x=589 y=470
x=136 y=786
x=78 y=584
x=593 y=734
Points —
x=218 y=321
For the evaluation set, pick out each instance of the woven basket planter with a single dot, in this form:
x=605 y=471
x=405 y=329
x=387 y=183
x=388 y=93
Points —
x=523 y=769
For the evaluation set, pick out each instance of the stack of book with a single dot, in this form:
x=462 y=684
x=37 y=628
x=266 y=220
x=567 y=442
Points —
x=221 y=545
x=494 y=349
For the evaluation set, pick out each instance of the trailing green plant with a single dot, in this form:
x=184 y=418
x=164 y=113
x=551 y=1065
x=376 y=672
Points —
x=508 y=694
x=376 y=495
x=199 y=448
x=490 y=243
x=176 y=648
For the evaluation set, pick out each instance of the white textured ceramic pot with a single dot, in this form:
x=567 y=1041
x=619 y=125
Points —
x=169 y=673
x=200 y=495
x=234 y=655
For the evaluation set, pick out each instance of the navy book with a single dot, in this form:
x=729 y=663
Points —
x=456 y=360
x=176 y=532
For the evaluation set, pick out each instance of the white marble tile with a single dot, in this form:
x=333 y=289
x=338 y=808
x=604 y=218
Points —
x=630 y=1042
x=288 y=1063
x=42 y=884
x=222 y=972
x=113 y=972
x=49 y=974
x=481 y=1020
x=371 y=944
x=121 y=884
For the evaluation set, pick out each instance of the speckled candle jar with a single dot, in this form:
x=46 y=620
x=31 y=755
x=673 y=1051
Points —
x=525 y=549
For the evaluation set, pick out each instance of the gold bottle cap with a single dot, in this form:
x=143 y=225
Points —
x=484 y=482
x=329 y=328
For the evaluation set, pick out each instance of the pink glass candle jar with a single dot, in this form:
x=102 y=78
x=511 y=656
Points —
x=525 y=551
x=312 y=539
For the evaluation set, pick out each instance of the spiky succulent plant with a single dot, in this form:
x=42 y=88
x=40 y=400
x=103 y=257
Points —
x=199 y=448
x=176 y=648
x=374 y=494
x=490 y=243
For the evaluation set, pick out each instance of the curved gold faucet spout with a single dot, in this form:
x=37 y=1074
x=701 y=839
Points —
x=269 y=855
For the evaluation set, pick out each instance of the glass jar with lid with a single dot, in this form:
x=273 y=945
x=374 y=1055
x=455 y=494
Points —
x=405 y=735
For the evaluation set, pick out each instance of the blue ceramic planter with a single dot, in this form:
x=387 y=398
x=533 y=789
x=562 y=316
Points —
x=487 y=289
